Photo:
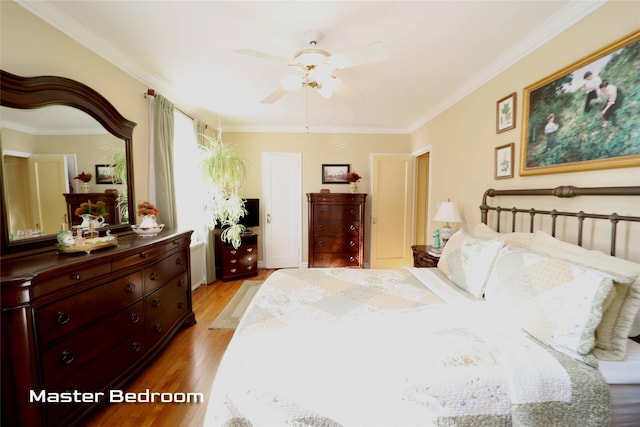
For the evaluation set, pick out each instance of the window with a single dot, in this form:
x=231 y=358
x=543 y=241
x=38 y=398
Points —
x=188 y=179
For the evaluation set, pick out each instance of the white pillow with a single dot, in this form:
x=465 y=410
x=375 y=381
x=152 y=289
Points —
x=559 y=302
x=466 y=261
x=622 y=311
x=517 y=239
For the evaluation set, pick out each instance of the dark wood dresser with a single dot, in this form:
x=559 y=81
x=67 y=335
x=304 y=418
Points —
x=74 y=200
x=231 y=262
x=336 y=229
x=88 y=322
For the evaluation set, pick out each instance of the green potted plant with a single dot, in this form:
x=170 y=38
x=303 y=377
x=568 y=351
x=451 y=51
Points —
x=119 y=162
x=224 y=172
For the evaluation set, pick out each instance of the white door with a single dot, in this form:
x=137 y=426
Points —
x=391 y=201
x=49 y=182
x=282 y=214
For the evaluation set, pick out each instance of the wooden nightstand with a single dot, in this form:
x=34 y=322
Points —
x=422 y=257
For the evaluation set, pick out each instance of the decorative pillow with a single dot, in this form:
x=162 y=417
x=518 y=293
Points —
x=466 y=261
x=517 y=239
x=623 y=309
x=559 y=302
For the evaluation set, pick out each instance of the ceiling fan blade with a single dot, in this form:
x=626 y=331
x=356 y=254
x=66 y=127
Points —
x=274 y=96
x=368 y=54
x=261 y=55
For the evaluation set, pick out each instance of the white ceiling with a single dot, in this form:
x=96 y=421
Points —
x=439 y=52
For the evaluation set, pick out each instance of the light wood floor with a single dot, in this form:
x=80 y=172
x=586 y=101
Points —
x=188 y=365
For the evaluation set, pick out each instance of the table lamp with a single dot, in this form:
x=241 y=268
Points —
x=447 y=212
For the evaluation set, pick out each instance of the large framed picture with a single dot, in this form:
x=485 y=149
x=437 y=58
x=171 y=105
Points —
x=585 y=116
x=105 y=175
x=506 y=113
x=335 y=174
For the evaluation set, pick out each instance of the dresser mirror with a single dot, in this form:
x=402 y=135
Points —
x=52 y=130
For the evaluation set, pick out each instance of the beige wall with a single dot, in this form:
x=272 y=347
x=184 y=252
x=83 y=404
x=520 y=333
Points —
x=316 y=149
x=463 y=138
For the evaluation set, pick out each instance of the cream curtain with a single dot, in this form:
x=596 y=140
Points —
x=163 y=124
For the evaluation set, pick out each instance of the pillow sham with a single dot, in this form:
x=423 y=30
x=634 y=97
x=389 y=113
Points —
x=559 y=302
x=517 y=239
x=467 y=260
x=623 y=310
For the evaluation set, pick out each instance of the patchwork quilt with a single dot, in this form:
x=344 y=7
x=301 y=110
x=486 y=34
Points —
x=347 y=347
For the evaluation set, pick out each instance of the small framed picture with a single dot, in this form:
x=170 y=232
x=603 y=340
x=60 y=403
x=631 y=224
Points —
x=504 y=156
x=104 y=175
x=335 y=174
x=506 y=113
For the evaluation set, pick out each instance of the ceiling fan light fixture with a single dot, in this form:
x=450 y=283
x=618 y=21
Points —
x=309 y=58
x=327 y=87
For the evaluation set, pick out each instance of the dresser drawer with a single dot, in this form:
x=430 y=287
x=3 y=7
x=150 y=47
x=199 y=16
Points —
x=62 y=317
x=131 y=260
x=327 y=259
x=46 y=284
x=333 y=227
x=98 y=374
x=159 y=273
x=336 y=244
x=164 y=307
x=79 y=352
x=336 y=212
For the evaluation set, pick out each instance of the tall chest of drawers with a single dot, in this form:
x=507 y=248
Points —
x=336 y=229
x=88 y=323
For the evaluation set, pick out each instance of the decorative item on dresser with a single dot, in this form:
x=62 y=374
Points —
x=336 y=229
x=88 y=323
x=424 y=256
x=231 y=262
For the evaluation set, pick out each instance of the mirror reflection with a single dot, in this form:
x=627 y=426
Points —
x=43 y=151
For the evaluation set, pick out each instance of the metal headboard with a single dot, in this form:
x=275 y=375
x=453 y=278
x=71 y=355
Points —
x=566 y=191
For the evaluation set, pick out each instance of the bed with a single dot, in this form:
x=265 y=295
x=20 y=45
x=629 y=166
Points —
x=511 y=328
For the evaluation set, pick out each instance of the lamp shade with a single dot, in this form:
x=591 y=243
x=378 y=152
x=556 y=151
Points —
x=447 y=212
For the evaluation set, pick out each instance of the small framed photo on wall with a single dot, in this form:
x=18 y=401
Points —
x=506 y=113
x=335 y=174
x=105 y=175
x=503 y=162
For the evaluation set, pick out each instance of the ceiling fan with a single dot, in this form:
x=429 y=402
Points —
x=316 y=68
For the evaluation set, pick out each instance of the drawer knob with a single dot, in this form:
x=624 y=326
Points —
x=233 y=270
x=321 y=227
x=352 y=212
x=179 y=261
x=320 y=243
x=76 y=276
x=352 y=243
x=131 y=288
x=66 y=357
x=233 y=252
x=157 y=327
x=352 y=259
x=155 y=302
x=144 y=255
x=63 y=318
x=180 y=305
x=181 y=283
x=249 y=249
x=136 y=347
x=176 y=242
x=250 y=267
x=233 y=261
x=154 y=275
x=321 y=211
x=135 y=318
x=320 y=258
x=352 y=227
